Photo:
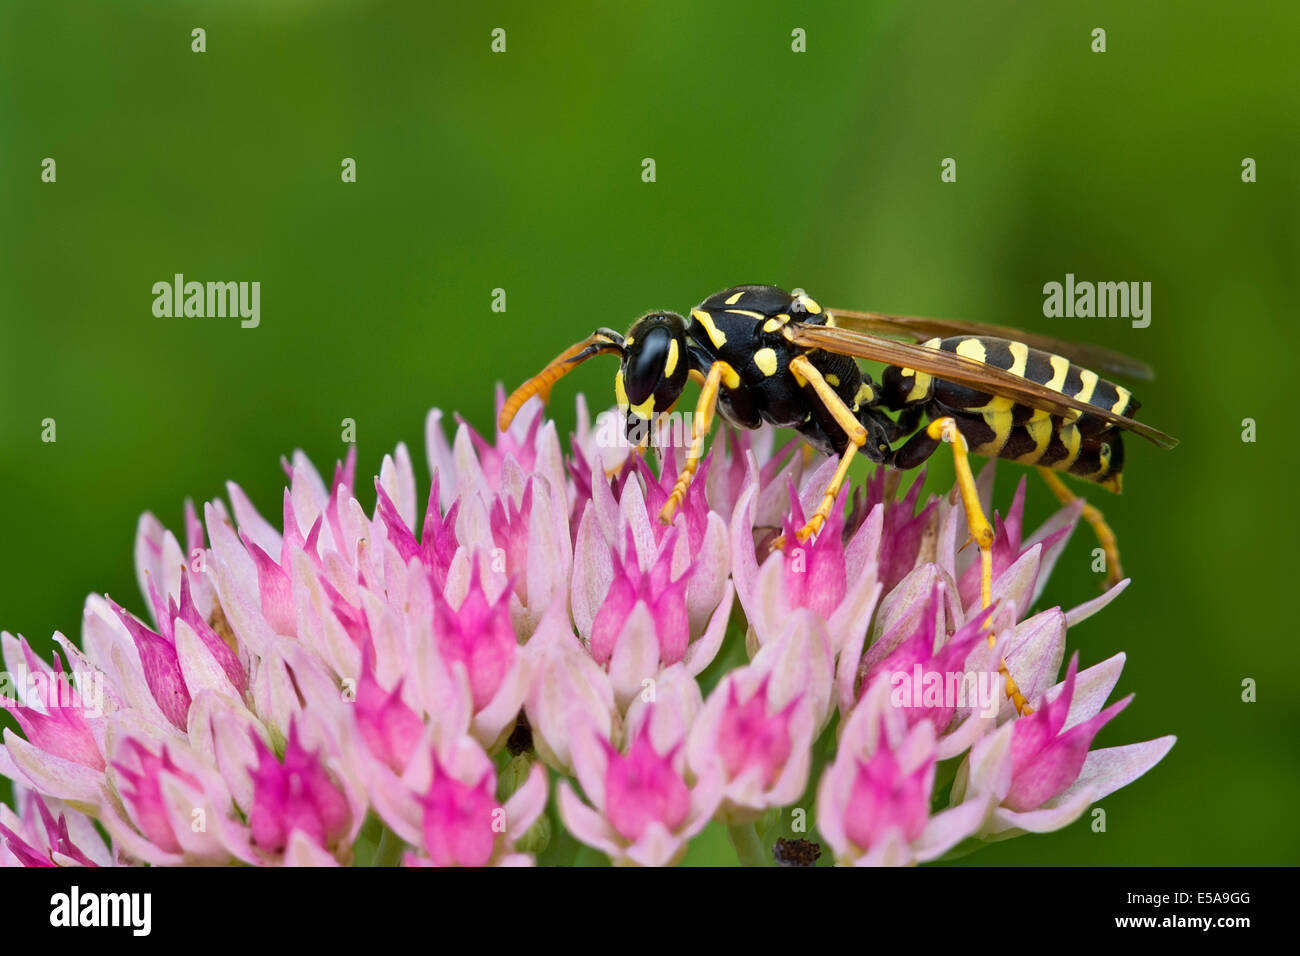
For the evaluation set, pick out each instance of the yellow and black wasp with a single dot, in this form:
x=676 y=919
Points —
x=762 y=354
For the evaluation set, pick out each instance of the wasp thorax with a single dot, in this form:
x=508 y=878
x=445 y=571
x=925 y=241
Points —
x=655 y=365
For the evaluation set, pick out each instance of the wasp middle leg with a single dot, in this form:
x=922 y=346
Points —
x=847 y=422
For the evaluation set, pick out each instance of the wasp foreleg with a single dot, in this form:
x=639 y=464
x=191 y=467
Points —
x=719 y=373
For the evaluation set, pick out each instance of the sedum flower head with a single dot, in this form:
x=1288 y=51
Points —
x=443 y=675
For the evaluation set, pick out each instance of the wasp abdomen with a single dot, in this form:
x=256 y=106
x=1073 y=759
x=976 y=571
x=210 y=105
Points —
x=1043 y=368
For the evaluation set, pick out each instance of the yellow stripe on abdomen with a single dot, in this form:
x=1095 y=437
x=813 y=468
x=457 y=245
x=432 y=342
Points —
x=973 y=349
x=1060 y=369
x=1040 y=431
x=1000 y=423
x=1122 y=402
x=1089 y=380
x=1019 y=358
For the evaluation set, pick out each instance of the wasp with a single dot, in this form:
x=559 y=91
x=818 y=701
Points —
x=761 y=354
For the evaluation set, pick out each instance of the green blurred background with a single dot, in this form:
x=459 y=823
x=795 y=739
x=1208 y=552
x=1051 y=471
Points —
x=522 y=171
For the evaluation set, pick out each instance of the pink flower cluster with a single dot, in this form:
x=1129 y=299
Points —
x=410 y=683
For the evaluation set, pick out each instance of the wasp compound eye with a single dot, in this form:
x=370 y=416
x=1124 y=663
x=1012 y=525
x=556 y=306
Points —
x=646 y=361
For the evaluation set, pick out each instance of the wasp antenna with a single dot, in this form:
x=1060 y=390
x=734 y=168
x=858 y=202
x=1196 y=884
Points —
x=564 y=363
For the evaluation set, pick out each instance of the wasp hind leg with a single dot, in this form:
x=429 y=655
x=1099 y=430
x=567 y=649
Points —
x=917 y=449
x=1105 y=536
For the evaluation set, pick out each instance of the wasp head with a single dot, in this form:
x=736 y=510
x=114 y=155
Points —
x=654 y=369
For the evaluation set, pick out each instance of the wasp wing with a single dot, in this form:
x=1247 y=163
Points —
x=963 y=371
x=919 y=328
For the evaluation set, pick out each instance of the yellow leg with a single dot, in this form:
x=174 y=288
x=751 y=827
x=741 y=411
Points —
x=1105 y=536
x=700 y=426
x=814 y=524
x=981 y=533
x=849 y=424
x=564 y=363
